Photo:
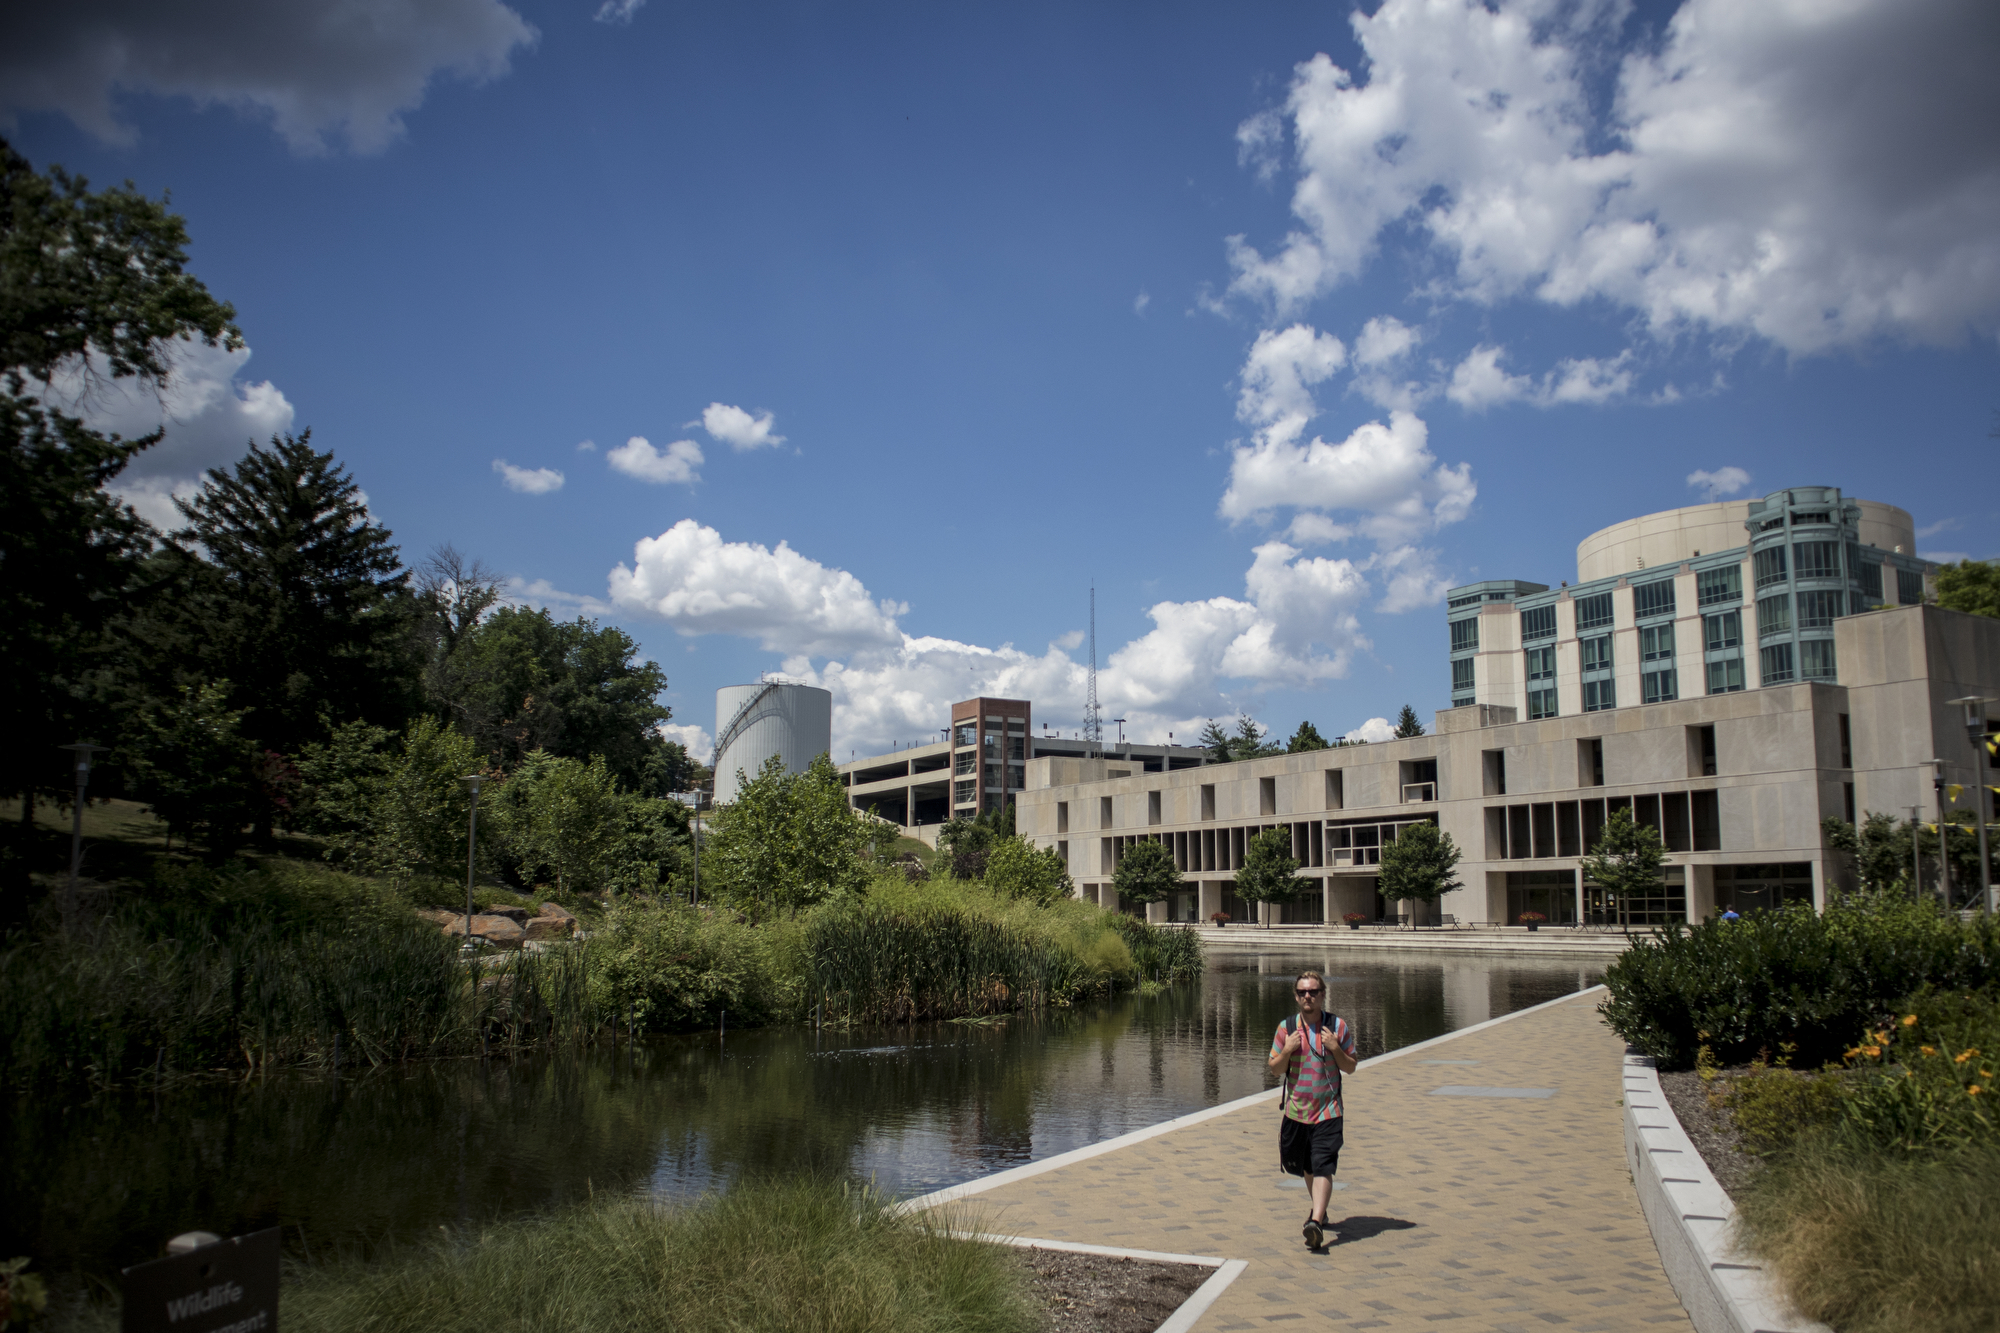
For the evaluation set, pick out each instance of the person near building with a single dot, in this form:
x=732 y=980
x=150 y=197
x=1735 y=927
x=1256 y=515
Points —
x=1311 y=1051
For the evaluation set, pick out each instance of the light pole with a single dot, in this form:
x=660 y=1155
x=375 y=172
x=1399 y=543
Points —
x=1975 y=731
x=1944 y=846
x=692 y=800
x=471 y=780
x=82 y=750
x=1916 y=858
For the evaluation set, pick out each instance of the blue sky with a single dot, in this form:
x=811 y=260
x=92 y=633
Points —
x=1274 y=320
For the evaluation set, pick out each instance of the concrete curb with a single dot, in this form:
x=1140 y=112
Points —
x=1691 y=1218
x=1184 y=1315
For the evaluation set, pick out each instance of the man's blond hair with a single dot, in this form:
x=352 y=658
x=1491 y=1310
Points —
x=1314 y=974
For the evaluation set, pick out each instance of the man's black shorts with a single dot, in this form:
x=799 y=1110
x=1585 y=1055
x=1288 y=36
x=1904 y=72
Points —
x=1309 y=1149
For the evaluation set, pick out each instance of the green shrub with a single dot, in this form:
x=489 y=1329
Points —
x=1880 y=1242
x=1773 y=1104
x=675 y=967
x=804 y=1256
x=1161 y=954
x=1790 y=976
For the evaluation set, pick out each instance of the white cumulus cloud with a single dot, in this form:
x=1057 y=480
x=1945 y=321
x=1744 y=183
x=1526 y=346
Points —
x=318 y=70
x=1817 y=175
x=675 y=464
x=1385 y=474
x=528 y=481
x=1723 y=481
x=692 y=738
x=1373 y=730
x=691 y=578
x=739 y=429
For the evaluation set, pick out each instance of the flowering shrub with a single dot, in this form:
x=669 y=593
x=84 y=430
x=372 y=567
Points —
x=1526 y=917
x=1925 y=1080
x=1355 y=916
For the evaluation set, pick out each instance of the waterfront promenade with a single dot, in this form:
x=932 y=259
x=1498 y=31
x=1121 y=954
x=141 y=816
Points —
x=1458 y=1210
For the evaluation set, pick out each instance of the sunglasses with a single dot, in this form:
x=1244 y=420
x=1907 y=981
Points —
x=1307 y=990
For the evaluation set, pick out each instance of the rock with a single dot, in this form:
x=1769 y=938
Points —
x=518 y=915
x=499 y=931
x=550 y=927
x=438 y=916
x=557 y=911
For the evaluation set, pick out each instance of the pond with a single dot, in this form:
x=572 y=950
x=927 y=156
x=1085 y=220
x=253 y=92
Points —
x=392 y=1154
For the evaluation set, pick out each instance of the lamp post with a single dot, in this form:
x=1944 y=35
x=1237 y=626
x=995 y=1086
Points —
x=1975 y=731
x=83 y=750
x=692 y=800
x=1944 y=857
x=471 y=780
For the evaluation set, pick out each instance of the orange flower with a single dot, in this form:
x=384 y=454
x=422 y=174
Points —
x=1872 y=1052
x=1909 y=1020
x=1928 y=1050
x=1973 y=1091
x=1963 y=1056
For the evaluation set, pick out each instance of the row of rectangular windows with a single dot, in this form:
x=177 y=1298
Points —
x=1777 y=665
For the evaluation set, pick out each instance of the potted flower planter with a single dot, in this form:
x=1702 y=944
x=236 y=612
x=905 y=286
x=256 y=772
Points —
x=1532 y=920
x=1354 y=920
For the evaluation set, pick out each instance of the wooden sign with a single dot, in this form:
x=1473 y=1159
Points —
x=228 y=1287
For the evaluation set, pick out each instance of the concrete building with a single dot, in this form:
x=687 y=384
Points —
x=982 y=764
x=1736 y=778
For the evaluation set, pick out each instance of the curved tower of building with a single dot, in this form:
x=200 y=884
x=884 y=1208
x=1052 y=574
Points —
x=754 y=722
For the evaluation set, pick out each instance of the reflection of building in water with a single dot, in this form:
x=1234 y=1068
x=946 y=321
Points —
x=1730 y=700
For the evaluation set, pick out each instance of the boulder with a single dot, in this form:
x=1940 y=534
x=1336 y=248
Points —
x=550 y=927
x=557 y=911
x=499 y=931
x=518 y=915
x=438 y=916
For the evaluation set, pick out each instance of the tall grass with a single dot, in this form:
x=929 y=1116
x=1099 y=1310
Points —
x=1881 y=1242
x=797 y=1256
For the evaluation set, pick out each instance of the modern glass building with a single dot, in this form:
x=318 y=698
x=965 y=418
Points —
x=1710 y=599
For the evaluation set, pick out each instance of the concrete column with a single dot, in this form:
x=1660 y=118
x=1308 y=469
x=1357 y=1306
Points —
x=1157 y=912
x=1208 y=898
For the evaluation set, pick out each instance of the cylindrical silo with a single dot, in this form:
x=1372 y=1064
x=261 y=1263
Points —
x=754 y=722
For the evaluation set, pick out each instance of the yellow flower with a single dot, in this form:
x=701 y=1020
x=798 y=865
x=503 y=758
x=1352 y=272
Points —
x=1910 y=1020
x=1928 y=1050
x=1963 y=1056
x=1972 y=1091
x=1872 y=1051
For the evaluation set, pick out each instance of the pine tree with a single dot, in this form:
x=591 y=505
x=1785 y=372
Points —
x=1407 y=724
x=1307 y=737
x=1249 y=742
x=1221 y=749
x=298 y=596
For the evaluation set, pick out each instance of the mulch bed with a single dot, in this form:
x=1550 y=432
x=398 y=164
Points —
x=1095 y=1293
x=1714 y=1133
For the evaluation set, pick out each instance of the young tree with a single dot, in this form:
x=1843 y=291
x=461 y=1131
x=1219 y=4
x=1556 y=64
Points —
x=1626 y=861
x=1146 y=873
x=1407 y=724
x=786 y=842
x=92 y=285
x=1879 y=849
x=296 y=595
x=1419 y=866
x=1972 y=586
x=1307 y=737
x=395 y=806
x=561 y=819
x=1015 y=868
x=191 y=762
x=1269 y=873
x=1221 y=749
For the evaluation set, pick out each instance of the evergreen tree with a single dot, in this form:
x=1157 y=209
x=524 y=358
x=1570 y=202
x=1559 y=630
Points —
x=1420 y=865
x=1221 y=749
x=297 y=596
x=1307 y=737
x=1270 y=872
x=92 y=284
x=1249 y=742
x=1407 y=723
x=1146 y=873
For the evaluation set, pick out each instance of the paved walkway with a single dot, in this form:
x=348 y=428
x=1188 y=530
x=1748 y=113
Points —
x=1455 y=1212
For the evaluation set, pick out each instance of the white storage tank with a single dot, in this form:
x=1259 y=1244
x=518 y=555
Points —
x=754 y=722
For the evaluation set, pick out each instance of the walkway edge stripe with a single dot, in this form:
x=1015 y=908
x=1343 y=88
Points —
x=1029 y=1170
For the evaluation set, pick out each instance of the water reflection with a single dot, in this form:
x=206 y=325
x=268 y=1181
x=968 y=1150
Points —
x=395 y=1153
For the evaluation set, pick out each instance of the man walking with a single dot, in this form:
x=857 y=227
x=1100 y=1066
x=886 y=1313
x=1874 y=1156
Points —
x=1313 y=1051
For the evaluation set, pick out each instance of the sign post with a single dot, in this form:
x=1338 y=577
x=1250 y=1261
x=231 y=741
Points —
x=223 y=1286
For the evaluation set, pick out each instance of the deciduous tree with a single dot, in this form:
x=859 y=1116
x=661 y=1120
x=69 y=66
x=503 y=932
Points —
x=1420 y=865
x=1626 y=861
x=1270 y=872
x=1146 y=873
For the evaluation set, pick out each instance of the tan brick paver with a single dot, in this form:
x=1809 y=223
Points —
x=1458 y=1213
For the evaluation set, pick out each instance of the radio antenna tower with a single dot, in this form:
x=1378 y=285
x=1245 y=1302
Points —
x=1093 y=730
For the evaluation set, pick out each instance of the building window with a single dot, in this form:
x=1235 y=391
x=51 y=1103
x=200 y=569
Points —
x=1659 y=687
x=992 y=775
x=1593 y=612
x=1712 y=587
x=1909 y=587
x=1769 y=565
x=1816 y=660
x=1152 y=807
x=1596 y=653
x=1722 y=630
x=1541 y=703
x=1667 y=903
x=1062 y=816
x=964 y=734
x=1846 y=746
x=1538 y=623
x=1871 y=578
x=1725 y=677
x=965 y=761
x=1774 y=615
x=1653 y=599
x=1656 y=642
x=1461 y=676
x=1816 y=560
x=1017 y=748
x=1775 y=664
x=1208 y=800
x=1818 y=610
x=962 y=793
x=1599 y=695
x=1464 y=634
x=1542 y=663
x=1704 y=747
x=1590 y=766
